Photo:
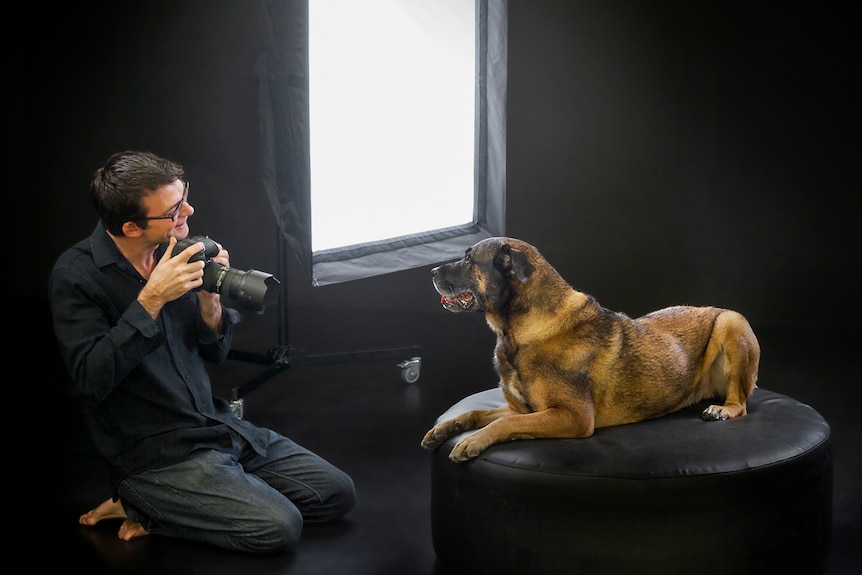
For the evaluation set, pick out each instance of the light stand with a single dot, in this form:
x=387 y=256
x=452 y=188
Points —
x=284 y=356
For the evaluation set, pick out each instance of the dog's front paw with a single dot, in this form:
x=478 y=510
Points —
x=441 y=432
x=431 y=441
x=435 y=436
x=467 y=449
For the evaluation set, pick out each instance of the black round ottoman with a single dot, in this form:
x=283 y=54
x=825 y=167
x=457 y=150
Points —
x=671 y=495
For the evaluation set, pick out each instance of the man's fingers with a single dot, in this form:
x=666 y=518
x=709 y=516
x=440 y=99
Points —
x=193 y=249
x=186 y=254
x=172 y=241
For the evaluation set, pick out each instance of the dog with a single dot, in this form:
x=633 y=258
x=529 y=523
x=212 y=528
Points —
x=568 y=366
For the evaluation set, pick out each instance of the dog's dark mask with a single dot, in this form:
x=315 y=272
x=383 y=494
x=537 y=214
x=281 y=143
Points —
x=480 y=280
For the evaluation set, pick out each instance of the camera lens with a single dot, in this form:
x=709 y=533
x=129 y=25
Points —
x=252 y=289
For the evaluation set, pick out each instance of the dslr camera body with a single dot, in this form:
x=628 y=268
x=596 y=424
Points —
x=251 y=289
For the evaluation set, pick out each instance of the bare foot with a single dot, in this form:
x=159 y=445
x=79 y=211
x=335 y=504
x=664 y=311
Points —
x=110 y=509
x=131 y=529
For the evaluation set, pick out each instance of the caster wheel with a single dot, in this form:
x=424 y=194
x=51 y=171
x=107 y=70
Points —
x=410 y=369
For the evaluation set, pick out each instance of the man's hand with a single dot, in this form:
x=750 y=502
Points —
x=172 y=277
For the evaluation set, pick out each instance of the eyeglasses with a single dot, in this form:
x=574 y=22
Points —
x=175 y=211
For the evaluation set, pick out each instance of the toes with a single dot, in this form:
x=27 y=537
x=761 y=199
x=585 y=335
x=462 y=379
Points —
x=430 y=442
x=460 y=455
x=713 y=413
x=467 y=449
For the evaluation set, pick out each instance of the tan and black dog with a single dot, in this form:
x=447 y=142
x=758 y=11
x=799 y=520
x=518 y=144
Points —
x=568 y=366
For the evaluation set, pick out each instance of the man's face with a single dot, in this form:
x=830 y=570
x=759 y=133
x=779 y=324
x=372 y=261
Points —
x=168 y=212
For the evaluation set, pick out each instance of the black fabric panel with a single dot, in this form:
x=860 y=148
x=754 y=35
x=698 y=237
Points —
x=282 y=71
x=372 y=259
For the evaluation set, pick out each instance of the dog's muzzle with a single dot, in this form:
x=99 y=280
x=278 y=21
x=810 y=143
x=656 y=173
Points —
x=460 y=302
x=450 y=297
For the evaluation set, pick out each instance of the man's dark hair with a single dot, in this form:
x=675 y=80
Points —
x=119 y=186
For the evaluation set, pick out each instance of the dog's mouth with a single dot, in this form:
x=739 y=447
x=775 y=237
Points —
x=458 y=302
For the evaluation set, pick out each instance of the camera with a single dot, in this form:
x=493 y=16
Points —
x=252 y=289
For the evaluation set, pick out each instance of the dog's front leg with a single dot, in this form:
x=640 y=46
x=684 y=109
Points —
x=548 y=423
x=464 y=422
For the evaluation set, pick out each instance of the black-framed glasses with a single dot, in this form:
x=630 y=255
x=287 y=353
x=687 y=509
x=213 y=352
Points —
x=175 y=211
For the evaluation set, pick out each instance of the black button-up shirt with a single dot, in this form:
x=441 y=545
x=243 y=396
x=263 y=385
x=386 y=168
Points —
x=145 y=392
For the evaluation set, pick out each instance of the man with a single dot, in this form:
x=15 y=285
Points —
x=134 y=334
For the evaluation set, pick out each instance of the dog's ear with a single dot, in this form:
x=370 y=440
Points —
x=514 y=263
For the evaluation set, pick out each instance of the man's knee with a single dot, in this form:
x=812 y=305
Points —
x=276 y=532
x=346 y=496
x=339 y=500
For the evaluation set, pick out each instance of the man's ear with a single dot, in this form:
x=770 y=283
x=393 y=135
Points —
x=132 y=230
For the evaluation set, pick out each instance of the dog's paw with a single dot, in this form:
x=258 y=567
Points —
x=714 y=413
x=429 y=443
x=461 y=453
x=434 y=438
x=459 y=456
x=469 y=448
x=441 y=432
x=723 y=412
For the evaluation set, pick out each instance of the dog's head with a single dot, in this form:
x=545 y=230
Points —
x=486 y=278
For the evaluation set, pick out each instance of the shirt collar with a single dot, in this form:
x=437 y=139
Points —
x=106 y=252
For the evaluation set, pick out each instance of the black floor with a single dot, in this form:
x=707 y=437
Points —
x=364 y=418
